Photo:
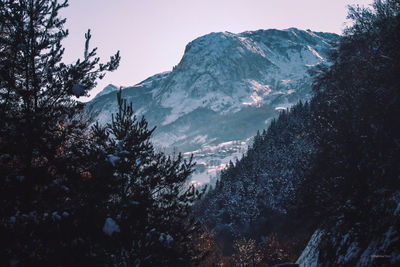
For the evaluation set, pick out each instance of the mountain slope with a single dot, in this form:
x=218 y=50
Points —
x=225 y=88
x=108 y=89
x=329 y=166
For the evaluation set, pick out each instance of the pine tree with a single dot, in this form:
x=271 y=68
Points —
x=353 y=184
x=72 y=196
x=42 y=136
x=36 y=87
x=149 y=197
x=356 y=106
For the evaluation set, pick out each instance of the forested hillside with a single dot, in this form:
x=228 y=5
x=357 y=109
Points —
x=326 y=170
x=329 y=164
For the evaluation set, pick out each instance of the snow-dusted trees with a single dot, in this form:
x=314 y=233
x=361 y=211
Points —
x=149 y=197
x=39 y=130
x=69 y=195
x=355 y=178
x=36 y=86
x=358 y=106
x=333 y=161
x=253 y=193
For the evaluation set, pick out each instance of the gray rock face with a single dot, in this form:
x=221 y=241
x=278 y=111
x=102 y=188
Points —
x=226 y=87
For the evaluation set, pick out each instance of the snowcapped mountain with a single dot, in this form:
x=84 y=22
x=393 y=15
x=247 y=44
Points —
x=225 y=88
x=108 y=89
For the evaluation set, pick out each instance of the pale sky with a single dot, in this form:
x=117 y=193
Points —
x=152 y=34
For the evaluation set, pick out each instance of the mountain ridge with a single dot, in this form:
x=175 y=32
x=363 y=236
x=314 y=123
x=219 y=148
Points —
x=225 y=88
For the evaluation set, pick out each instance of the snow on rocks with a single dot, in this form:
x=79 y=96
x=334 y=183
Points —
x=165 y=238
x=309 y=256
x=215 y=69
x=221 y=75
x=113 y=159
x=110 y=227
x=56 y=216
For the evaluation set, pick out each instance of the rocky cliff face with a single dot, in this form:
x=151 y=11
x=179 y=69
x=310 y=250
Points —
x=226 y=87
x=352 y=245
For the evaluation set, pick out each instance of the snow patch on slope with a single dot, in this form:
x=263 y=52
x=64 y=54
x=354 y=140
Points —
x=259 y=92
x=110 y=227
x=309 y=256
x=222 y=76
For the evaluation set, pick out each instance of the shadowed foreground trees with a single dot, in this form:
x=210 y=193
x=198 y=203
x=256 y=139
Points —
x=70 y=195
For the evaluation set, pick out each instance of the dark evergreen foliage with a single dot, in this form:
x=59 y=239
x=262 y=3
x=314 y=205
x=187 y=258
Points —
x=331 y=163
x=75 y=196
x=147 y=193
x=355 y=180
x=38 y=130
x=255 y=194
x=70 y=195
x=358 y=108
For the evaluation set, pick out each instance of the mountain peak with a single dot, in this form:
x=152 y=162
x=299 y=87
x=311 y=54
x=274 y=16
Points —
x=224 y=71
x=226 y=87
x=108 y=89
